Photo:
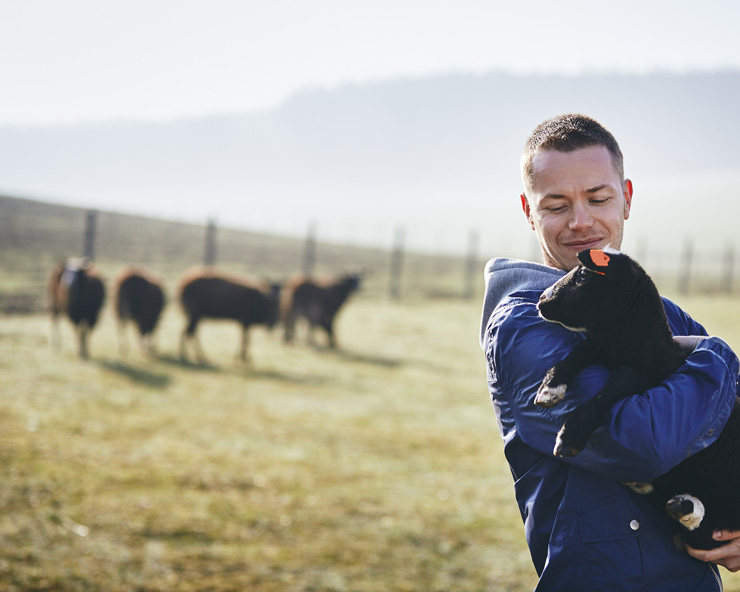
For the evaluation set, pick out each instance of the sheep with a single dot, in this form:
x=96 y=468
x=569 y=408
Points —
x=316 y=301
x=635 y=342
x=205 y=293
x=139 y=298
x=77 y=291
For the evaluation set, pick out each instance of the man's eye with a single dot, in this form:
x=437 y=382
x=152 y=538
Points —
x=556 y=209
x=600 y=201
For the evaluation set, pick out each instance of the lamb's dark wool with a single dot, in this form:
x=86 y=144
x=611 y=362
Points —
x=77 y=291
x=611 y=299
x=205 y=293
x=316 y=301
x=140 y=298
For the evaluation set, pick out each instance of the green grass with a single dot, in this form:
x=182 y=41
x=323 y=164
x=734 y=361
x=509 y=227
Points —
x=377 y=467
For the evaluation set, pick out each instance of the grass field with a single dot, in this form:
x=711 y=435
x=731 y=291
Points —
x=375 y=468
x=378 y=467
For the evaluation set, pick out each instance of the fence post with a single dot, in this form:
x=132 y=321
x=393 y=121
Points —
x=209 y=257
x=309 y=249
x=396 y=264
x=728 y=269
x=471 y=270
x=684 y=275
x=88 y=247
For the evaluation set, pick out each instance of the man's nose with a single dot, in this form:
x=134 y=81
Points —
x=581 y=218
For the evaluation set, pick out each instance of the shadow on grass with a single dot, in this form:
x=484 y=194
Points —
x=240 y=368
x=177 y=361
x=280 y=376
x=366 y=358
x=136 y=374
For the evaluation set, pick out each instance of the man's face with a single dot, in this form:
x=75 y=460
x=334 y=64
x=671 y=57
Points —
x=577 y=201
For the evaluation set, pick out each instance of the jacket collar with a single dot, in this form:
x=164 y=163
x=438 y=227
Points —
x=505 y=276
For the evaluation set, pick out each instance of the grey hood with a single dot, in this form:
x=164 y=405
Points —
x=505 y=276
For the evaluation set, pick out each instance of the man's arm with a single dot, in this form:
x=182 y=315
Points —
x=645 y=434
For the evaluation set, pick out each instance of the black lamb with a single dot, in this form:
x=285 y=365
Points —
x=611 y=299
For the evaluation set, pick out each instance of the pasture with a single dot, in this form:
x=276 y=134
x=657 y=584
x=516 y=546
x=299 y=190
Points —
x=378 y=467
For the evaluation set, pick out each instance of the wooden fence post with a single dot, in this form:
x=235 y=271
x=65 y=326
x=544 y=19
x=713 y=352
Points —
x=728 y=269
x=88 y=247
x=397 y=264
x=309 y=250
x=684 y=274
x=209 y=258
x=471 y=267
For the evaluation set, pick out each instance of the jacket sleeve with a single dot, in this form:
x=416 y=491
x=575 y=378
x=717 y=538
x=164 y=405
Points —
x=644 y=435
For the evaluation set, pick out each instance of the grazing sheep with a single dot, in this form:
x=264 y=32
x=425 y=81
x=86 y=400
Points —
x=316 y=301
x=613 y=301
x=76 y=289
x=139 y=298
x=205 y=293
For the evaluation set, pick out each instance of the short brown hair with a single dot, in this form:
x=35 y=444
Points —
x=566 y=133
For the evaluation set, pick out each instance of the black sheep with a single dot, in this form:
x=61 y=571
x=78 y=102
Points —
x=614 y=302
x=317 y=301
x=139 y=298
x=205 y=293
x=77 y=291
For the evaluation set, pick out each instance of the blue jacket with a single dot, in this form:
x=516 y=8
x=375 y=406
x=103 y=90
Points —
x=585 y=531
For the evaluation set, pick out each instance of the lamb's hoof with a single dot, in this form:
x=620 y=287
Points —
x=688 y=510
x=565 y=449
x=548 y=396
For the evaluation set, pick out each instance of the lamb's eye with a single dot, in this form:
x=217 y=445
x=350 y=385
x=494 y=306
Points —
x=582 y=273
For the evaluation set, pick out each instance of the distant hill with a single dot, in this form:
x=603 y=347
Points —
x=437 y=157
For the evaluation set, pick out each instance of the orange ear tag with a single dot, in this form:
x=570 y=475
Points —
x=600 y=259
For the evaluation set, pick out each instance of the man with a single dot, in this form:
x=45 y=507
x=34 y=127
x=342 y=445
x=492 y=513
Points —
x=584 y=529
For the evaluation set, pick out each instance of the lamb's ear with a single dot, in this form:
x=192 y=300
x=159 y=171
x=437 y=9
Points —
x=595 y=259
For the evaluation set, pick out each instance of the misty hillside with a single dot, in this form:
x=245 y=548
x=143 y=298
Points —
x=436 y=156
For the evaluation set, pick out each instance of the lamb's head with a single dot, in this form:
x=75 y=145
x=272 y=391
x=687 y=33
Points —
x=590 y=295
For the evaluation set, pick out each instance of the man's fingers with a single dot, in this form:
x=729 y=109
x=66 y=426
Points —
x=725 y=535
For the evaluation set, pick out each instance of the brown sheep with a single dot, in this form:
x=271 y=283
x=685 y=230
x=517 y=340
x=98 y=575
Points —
x=77 y=291
x=205 y=293
x=139 y=298
x=316 y=301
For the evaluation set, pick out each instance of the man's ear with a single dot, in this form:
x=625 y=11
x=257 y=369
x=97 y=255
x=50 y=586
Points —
x=527 y=211
x=627 y=198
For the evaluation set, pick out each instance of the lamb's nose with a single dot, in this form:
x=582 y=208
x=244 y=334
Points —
x=546 y=294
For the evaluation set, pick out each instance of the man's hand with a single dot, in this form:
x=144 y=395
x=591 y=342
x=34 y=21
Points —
x=727 y=555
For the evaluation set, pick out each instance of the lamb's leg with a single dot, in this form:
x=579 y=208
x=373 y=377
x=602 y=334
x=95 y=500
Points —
x=331 y=340
x=688 y=510
x=289 y=327
x=187 y=337
x=245 y=343
x=82 y=333
x=585 y=419
x=553 y=387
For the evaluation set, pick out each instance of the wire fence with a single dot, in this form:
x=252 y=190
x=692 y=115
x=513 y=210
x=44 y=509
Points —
x=34 y=236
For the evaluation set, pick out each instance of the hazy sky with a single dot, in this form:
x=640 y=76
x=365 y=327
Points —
x=72 y=60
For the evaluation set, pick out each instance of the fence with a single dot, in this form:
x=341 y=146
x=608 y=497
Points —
x=34 y=236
